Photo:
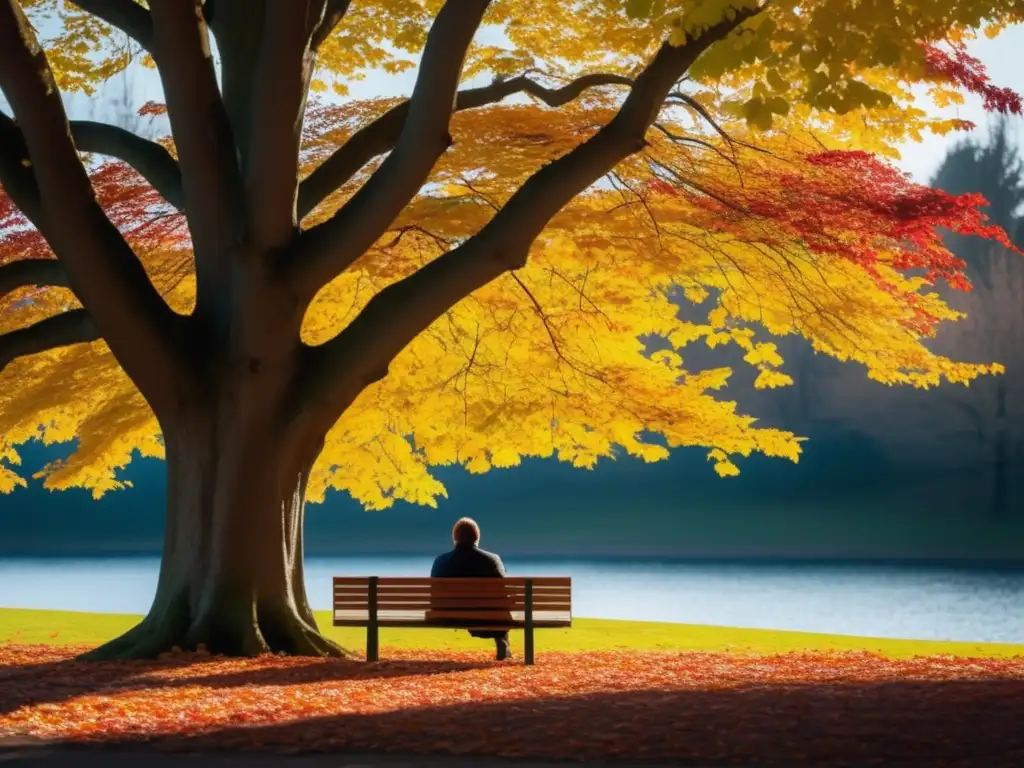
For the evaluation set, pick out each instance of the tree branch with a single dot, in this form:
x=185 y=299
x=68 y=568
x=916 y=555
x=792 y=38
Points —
x=65 y=329
x=19 y=274
x=16 y=172
x=333 y=14
x=283 y=70
x=325 y=250
x=126 y=15
x=335 y=372
x=211 y=180
x=151 y=160
x=103 y=271
x=696 y=142
x=238 y=27
x=378 y=137
x=701 y=110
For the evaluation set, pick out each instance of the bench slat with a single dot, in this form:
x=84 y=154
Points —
x=446 y=604
x=519 y=605
x=457 y=597
x=419 y=614
x=456 y=591
x=519 y=581
x=407 y=624
x=462 y=595
x=417 y=620
x=440 y=606
x=441 y=595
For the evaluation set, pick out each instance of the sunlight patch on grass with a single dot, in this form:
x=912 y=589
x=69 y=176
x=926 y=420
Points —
x=76 y=628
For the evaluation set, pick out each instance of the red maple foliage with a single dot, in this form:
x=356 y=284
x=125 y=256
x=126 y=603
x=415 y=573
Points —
x=132 y=205
x=851 y=205
x=890 y=209
x=969 y=73
x=796 y=709
x=152 y=109
x=20 y=239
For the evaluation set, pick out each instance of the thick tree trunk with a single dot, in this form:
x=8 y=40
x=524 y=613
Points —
x=231 y=575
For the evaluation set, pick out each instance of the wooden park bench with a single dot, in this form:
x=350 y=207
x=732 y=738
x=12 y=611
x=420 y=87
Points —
x=482 y=603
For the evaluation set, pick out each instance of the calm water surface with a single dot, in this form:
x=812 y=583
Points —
x=873 y=600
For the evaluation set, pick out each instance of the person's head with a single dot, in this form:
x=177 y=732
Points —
x=466 y=532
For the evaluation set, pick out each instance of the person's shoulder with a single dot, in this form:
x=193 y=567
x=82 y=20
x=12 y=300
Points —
x=442 y=563
x=494 y=558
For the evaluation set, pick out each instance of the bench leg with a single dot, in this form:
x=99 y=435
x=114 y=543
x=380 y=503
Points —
x=372 y=645
x=528 y=645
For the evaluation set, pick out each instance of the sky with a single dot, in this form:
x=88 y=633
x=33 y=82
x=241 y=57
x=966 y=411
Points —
x=1002 y=58
x=841 y=501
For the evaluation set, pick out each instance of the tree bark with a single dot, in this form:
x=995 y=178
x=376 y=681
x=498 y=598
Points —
x=231 y=576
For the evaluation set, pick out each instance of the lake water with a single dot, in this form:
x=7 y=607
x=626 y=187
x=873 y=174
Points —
x=873 y=600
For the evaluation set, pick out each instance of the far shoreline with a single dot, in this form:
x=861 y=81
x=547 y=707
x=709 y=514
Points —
x=959 y=563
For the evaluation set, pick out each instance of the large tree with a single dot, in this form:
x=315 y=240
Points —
x=283 y=297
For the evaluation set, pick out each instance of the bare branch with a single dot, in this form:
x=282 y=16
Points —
x=104 y=273
x=696 y=142
x=151 y=160
x=325 y=250
x=25 y=272
x=661 y=169
x=283 y=70
x=65 y=329
x=333 y=14
x=700 y=109
x=543 y=317
x=338 y=370
x=126 y=15
x=211 y=180
x=380 y=136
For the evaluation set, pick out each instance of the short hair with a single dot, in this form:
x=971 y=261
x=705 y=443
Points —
x=466 y=531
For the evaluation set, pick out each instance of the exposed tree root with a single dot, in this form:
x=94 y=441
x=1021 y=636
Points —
x=113 y=649
x=269 y=629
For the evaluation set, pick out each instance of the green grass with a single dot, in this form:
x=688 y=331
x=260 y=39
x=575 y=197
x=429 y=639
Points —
x=72 y=628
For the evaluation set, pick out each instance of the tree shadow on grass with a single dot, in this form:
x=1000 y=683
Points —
x=50 y=682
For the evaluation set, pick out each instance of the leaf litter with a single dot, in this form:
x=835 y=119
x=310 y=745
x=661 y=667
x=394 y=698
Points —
x=808 y=708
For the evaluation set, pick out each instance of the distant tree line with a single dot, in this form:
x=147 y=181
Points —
x=996 y=309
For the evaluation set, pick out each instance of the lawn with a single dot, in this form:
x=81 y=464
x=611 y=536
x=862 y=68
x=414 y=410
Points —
x=71 y=628
x=601 y=690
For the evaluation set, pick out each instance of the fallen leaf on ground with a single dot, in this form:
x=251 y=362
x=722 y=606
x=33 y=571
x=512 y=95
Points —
x=798 y=709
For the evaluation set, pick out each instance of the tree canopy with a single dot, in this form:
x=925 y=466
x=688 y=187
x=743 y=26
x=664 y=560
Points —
x=761 y=192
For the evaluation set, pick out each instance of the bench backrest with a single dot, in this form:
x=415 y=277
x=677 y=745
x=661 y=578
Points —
x=471 y=601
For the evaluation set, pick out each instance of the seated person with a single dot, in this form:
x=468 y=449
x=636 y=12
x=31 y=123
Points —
x=467 y=560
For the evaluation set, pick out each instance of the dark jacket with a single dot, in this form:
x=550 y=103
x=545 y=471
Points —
x=469 y=561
